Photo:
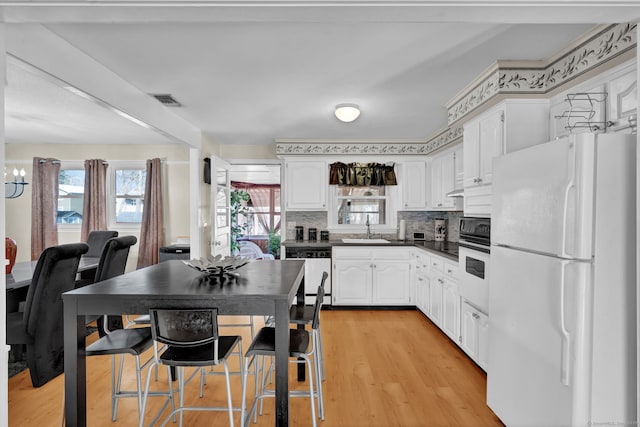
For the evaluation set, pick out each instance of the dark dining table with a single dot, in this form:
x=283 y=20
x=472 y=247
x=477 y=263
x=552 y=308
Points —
x=22 y=272
x=18 y=281
x=261 y=288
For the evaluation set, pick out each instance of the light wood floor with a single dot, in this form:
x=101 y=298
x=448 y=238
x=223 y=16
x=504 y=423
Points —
x=384 y=368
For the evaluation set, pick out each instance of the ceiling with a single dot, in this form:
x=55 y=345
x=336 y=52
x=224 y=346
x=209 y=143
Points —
x=248 y=76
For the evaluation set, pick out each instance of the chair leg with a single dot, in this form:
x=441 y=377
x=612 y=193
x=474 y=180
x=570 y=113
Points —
x=139 y=385
x=317 y=362
x=180 y=370
x=63 y=421
x=311 y=393
x=146 y=394
x=228 y=381
x=321 y=354
x=115 y=390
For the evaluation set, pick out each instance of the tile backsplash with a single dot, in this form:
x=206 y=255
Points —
x=415 y=222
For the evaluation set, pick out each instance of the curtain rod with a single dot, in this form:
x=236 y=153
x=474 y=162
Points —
x=58 y=162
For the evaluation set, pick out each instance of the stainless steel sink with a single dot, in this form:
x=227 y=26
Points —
x=365 y=241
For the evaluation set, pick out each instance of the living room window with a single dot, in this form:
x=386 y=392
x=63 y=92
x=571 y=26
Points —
x=128 y=182
x=125 y=193
x=70 y=193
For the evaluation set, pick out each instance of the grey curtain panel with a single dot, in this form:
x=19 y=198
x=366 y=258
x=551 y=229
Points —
x=44 y=205
x=151 y=233
x=94 y=209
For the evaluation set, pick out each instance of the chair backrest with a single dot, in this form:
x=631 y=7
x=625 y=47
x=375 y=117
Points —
x=318 y=305
x=185 y=328
x=96 y=240
x=113 y=259
x=55 y=274
x=113 y=262
x=325 y=275
x=253 y=251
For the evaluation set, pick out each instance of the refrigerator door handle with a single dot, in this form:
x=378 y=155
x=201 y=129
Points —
x=571 y=170
x=565 y=370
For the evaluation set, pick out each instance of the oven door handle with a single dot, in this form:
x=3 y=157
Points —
x=474 y=247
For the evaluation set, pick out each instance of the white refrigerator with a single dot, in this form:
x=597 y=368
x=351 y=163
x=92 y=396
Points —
x=562 y=297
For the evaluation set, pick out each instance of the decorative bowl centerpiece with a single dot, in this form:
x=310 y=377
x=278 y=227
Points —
x=219 y=267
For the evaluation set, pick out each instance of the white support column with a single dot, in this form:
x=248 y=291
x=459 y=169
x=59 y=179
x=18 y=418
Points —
x=637 y=234
x=4 y=349
x=195 y=202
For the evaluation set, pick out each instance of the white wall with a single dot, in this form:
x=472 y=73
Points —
x=176 y=195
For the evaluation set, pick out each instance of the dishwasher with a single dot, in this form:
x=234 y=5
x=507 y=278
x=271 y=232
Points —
x=317 y=260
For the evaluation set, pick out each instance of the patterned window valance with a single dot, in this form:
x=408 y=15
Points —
x=362 y=174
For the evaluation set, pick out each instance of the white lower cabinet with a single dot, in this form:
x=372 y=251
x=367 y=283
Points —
x=441 y=297
x=391 y=282
x=435 y=301
x=371 y=276
x=474 y=334
x=451 y=309
x=422 y=282
x=352 y=282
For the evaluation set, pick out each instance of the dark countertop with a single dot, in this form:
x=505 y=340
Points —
x=446 y=249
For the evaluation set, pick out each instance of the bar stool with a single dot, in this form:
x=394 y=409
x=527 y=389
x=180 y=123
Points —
x=264 y=345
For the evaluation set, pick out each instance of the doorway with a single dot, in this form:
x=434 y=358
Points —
x=256 y=209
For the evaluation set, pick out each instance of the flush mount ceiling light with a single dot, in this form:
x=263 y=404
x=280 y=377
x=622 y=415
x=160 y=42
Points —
x=347 y=112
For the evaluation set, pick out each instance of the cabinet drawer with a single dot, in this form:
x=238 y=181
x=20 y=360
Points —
x=437 y=264
x=351 y=253
x=451 y=270
x=391 y=254
x=423 y=262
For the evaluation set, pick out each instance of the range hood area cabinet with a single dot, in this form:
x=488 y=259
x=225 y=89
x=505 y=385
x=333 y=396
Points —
x=509 y=126
x=427 y=181
x=306 y=184
x=446 y=176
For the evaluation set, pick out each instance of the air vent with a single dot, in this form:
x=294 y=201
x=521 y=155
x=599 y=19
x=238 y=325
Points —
x=167 y=100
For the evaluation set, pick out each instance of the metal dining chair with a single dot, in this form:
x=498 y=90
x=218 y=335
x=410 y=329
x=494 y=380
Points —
x=303 y=348
x=192 y=340
x=117 y=340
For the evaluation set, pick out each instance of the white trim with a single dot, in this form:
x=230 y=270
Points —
x=541 y=77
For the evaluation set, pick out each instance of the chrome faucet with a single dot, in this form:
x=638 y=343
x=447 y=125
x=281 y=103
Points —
x=368 y=228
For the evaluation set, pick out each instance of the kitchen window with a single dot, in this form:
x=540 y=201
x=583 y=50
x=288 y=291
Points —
x=350 y=206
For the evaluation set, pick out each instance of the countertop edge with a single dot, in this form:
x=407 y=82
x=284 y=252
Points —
x=424 y=245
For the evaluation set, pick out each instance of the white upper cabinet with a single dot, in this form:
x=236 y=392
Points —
x=509 y=126
x=622 y=100
x=306 y=182
x=458 y=167
x=603 y=103
x=443 y=179
x=413 y=177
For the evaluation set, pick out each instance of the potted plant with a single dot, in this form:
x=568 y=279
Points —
x=239 y=199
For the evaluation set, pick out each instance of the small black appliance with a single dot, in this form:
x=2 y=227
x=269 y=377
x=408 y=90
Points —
x=313 y=234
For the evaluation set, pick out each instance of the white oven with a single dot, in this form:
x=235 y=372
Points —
x=474 y=250
x=474 y=277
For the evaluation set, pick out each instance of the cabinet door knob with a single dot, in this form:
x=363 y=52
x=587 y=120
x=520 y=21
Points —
x=475 y=315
